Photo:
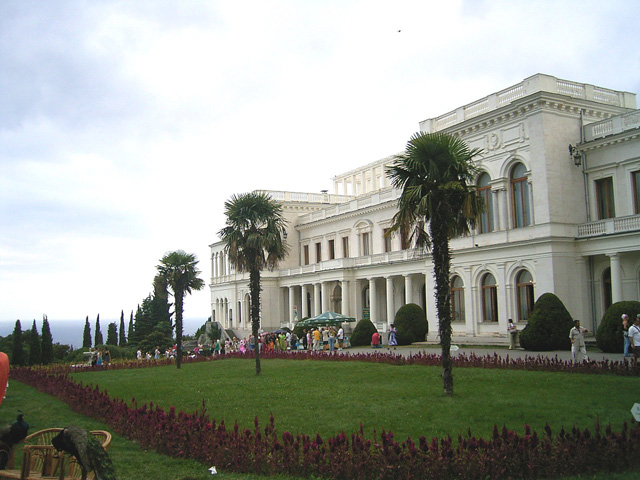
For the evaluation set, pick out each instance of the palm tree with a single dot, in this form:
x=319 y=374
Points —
x=253 y=239
x=438 y=202
x=179 y=268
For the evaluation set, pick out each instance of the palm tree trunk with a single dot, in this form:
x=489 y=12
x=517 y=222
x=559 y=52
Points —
x=254 y=289
x=179 y=296
x=441 y=266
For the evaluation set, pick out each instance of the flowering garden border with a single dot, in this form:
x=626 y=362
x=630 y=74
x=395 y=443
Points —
x=505 y=454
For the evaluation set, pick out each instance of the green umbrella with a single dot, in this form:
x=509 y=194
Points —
x=325 y=319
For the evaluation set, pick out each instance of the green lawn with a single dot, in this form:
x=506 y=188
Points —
x=327 y=397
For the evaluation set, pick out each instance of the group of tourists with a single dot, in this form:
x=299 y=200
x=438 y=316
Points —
x=100 y=357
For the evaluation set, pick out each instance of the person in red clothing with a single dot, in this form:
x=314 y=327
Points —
x=375 y=340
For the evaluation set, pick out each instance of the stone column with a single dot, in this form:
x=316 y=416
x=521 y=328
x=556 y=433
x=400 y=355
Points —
x=292 y=301
x=353 y=185
x=346 y=299
x=408 y=289
x=316 y=300
x=373 y=304
x=304 y=309
x=470 y=320
x=326 y=297
x=390 y=307
x=358 y=297
x=373 y=179
x=363 y=180
x=616 y=277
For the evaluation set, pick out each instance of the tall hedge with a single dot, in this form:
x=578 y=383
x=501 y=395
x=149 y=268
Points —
x=609 y=335
x=548 y=327
x=361 y=335
x=411 y=323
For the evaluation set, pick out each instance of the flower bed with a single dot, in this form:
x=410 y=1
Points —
x=489 y=361
x=262 y=450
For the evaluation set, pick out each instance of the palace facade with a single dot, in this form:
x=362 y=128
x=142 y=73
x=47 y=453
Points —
x=560 y=175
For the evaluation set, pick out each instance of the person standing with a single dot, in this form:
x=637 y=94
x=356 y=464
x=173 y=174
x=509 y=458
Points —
x=340 y=338
x=634 y=338
x=317 y=338
x=625 y=333
x=576 y=335
x=393 y=331
x=512 y=331
x=332 y=339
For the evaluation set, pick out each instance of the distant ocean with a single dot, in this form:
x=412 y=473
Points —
x=70 y=332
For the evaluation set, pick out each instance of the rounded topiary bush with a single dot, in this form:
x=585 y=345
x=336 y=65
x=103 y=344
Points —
x=361 y=335
x=609 y=335
x=411 y=323
x=548 y=327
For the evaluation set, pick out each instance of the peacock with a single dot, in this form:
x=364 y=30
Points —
x=87 y=450
x=10 y=435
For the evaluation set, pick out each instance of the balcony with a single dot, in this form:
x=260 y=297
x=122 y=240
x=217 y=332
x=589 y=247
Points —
x=342 y=263
x=612 y=126
x=609 y=226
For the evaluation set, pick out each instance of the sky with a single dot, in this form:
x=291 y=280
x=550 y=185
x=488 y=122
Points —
x=125 y=126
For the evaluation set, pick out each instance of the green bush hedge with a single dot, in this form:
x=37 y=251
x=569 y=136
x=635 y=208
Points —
x=361 y=335
x=609 y=335
x=411 y=323
x=549 y=326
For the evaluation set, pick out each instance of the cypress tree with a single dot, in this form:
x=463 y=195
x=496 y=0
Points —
x=122 y=339
x=86 y=338
x=98 y=339
x=112 y=334
x=17 y=354
x=35 y=351
x=131 y=328
x=47 y=342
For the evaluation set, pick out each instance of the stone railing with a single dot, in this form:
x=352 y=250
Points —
x=533 y=84
x=353 y=203
x=609 y=226
x=341 y=263
x=284 y=196
x=612 y=126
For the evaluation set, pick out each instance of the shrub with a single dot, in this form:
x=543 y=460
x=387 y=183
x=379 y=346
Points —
x=411 y=323
x=362 y=333
x=549 y=326
x=609 y=334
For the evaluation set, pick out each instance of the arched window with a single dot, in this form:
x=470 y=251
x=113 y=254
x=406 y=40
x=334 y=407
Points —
x=489 y=299
x=457 y=299
x=520 y=196
x=484 y=191
x=524 y=289
x=365 y=297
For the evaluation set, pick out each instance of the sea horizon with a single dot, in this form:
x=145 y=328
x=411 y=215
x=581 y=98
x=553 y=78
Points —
x=70 y=332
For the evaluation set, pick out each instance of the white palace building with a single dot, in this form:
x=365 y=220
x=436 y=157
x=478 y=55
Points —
x=560 y=174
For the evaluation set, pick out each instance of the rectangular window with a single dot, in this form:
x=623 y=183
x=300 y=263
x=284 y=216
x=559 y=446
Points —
x=332 y=249
x=387 y=240
x=604 y=198
x=365 y=244
x=345 y=247
x=318 y=252
x=635 y=180
x=306 y=254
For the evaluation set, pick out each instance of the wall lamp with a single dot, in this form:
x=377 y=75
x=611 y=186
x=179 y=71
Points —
x=576 y=155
